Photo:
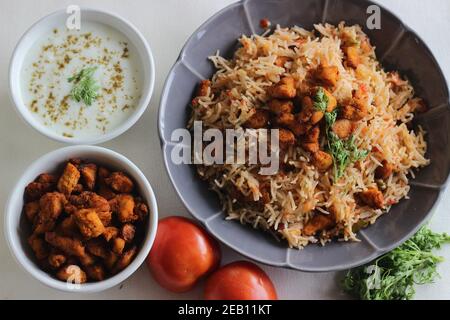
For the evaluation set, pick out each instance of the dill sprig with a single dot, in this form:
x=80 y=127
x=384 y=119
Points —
x=85 y=87
x=393 y=275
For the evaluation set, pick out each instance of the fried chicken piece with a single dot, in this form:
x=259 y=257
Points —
x=327 y=75
x=103 y=189
x=31 y=210
x=89 y=223
x=72 y=273
x=124 y=260
x=47 y=178
x=286 y=119
x=352 y=56
x=39 y=247
x=311 y=140
x=68 y=227
x=97 y=247
x=88 y=200
x=280 y=106
x=384 y=171
x=35 y=190
x=118 y=245
x=322 y=160
x=260 y=119
x=286 y=138
x=78 y=189
x=299 y=127
x=309 y=114
x=119 y=182
x=332 y=102
x=127 y=232
x=343 y=128
x=281 y=61
x=89 y=173
x=123 y=206
x=203 y=88
x=69 y=179
x=70 y=246
x=56 y=260
x=110 y=233
x=110 y=260
x=140 y=209
x=318 y=223
x=95 y=272
x=372 y=197
x=51 y=206
x=284 y=89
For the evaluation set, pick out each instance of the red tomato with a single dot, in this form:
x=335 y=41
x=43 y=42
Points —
x=182 y=253
x=240 y=280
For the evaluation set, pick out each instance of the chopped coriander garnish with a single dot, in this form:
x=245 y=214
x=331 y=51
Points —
x=320 y=100
x=393 y=275
x=85 y=87
x=344 y=152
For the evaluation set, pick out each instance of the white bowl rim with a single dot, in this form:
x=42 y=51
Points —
x=147 y=91
x=91 y=287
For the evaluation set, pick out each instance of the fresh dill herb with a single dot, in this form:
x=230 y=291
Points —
x=85 y=87
x=344 y=152
x=320 y=100
x=393 y=275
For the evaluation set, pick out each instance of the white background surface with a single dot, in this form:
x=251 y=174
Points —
x=167 y=24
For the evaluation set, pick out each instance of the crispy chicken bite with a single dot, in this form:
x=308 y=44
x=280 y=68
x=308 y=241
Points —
x=118 y=245
x=38 y=245
x=97 y=248
x=89 y=223
x=31 y=209
x=51 y=206
x=352 y=56
x=119 y=182
x=322 y=160
x=309 y=114
x=128 y=232
x=280 y=106
x=327 y=75
x=69 y=179
x=372 y=197
x=124 y=260
x=95 y=272
x=343 y=128
x=140 y=209
x=260 y=119
x=203 y=88
x=123 y=206
x=285 y=119
x=110 y=233
x=35 y=190
x=384 y=171
x=286 y=137
x=89 y=174
x=56 y=260
x=70 y=246
x=103 y=189
x=285 y=89
x=311 y=140
x=318 y=223
x=72 y=273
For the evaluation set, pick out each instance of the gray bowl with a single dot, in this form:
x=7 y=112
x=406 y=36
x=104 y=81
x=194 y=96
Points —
x=397 y=47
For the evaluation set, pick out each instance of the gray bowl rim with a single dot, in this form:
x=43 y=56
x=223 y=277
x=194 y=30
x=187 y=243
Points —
x=377 y=252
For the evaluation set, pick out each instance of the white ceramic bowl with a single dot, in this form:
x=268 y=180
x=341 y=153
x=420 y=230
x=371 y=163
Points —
x=15 y=225
x=58 y=18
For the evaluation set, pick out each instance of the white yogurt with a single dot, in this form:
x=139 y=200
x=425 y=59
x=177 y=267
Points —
x=62 y=54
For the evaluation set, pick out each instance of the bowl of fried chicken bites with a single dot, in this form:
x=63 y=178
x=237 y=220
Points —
x=81 y=218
